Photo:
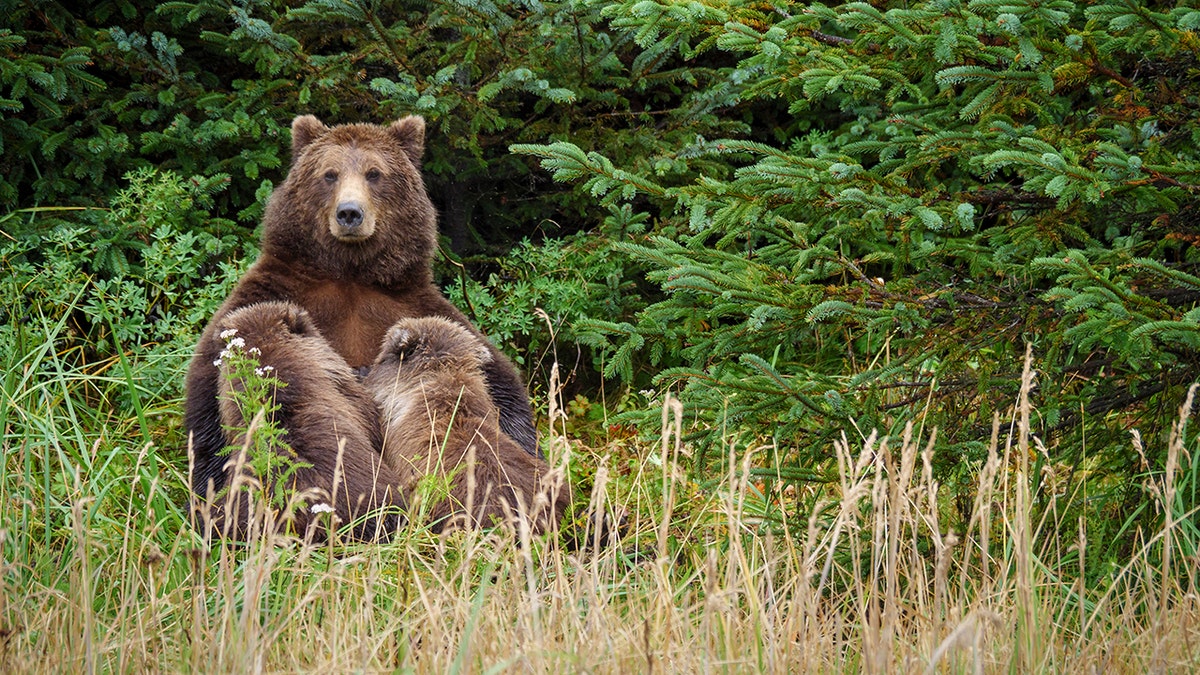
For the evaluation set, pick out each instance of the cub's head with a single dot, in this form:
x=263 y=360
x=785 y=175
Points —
x=354 y=204
x=263 y=324
x=432 y=344
x=280 y=335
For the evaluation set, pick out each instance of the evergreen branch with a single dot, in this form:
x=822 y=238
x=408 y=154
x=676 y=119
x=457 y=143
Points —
x=828 y=39
x=569 y=162
x=385 y=36
x=992 y=197
x=1102 y=405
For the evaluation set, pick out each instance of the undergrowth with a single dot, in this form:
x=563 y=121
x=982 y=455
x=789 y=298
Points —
x=103 y=572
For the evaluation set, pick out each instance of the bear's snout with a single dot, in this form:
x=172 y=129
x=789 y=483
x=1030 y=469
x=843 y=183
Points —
x=349 y=215
x=352 y=221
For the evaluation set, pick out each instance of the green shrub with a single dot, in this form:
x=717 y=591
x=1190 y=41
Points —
x=953 y=180
x=539 y=293
x=134 y=283
x=102 y=314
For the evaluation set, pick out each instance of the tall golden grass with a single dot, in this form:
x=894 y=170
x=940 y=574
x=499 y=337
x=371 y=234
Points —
x=871 y=580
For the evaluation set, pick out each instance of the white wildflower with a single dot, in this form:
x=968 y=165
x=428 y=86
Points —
x=254 y=351
x=228 y=333
x=237 y=342
x=321 y=508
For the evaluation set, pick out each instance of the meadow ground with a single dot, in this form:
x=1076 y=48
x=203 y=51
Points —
x=102 y=571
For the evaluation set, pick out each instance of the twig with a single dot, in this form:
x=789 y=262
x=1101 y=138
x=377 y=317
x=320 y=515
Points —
x=831 y=39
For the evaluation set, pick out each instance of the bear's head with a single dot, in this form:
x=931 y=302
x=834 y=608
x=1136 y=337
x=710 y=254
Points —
x=432 y=343
x=283 y=337
x=354 y=205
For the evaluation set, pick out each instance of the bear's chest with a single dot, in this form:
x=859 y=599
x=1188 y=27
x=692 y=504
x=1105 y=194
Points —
x=353 y=318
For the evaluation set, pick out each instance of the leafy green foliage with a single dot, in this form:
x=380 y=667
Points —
x=952 y=180
x=540 y=295
x=136 y=281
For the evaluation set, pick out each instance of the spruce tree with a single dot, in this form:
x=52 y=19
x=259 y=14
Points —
x=924 y=189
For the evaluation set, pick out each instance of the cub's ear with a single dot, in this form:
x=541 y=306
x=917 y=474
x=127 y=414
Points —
x=298 y=321
x=305 y=130
x=399 y=341
x=410 y=134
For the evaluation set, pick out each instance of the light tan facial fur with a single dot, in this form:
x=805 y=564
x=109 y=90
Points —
x=352 y=173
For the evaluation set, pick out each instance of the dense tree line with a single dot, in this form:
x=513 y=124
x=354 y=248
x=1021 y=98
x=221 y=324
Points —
x=804 y=220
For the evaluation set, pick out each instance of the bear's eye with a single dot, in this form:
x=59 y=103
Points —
x=373 y=175
x=330 y=176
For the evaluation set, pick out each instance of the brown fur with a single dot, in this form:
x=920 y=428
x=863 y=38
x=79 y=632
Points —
x=428 y=382
x=324 y=410
x=353 y=282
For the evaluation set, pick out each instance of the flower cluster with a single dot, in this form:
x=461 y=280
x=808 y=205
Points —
x=232 y=342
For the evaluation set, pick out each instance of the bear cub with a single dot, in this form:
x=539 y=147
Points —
x=330 y=424
x=439 y=420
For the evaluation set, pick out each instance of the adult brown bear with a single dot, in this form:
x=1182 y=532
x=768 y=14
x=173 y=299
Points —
x=349 y=237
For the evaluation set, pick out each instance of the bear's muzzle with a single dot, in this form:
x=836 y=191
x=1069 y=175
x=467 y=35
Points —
x=349 y=215
x=351 y=222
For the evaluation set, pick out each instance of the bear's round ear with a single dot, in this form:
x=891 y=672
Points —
x=297 y=320
x=410 y=134
x=399 y=340
x=305 y=130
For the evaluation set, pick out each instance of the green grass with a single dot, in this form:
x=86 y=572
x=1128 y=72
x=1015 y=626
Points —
x=101 y=570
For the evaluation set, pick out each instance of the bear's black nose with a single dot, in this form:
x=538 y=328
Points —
x=349 y=214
